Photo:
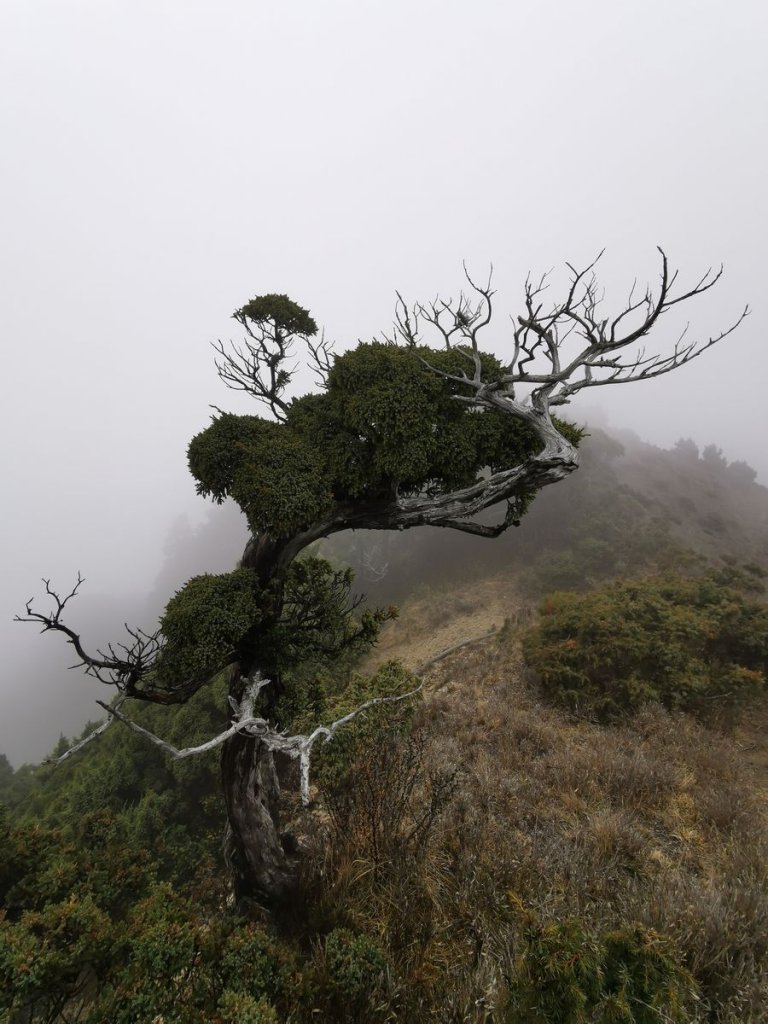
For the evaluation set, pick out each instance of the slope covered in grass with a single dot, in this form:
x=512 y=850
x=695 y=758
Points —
x=486 y=855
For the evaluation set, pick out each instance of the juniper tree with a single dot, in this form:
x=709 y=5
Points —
x=422 y=427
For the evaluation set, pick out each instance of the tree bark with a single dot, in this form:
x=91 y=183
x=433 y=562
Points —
x=262 y=872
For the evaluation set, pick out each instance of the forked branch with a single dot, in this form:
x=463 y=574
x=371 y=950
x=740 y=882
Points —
x=245 y=720
x=120 y=664
x=259 y=365
x=128 y=666
x=560 y=349
x=321 y=357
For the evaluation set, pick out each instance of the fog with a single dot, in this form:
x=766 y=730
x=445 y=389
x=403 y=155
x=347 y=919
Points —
x=163 y=162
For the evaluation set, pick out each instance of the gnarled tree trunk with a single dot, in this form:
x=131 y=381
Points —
x=261 y=870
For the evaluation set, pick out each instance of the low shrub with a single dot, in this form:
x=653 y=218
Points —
x=689 y=644
x=351 y=972
x=564 y=975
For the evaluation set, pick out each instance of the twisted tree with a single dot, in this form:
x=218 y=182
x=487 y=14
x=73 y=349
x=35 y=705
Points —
x=420 y=428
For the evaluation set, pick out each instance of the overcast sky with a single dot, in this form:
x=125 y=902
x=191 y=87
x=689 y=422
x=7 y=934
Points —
x=164 y=161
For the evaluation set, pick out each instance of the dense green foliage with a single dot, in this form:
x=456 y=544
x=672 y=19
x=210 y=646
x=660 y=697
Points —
x=355 y=969
x=280 y=313
x=274 y=476
x=627 y=976
x=215 y=619
x=694 y=644
x=279 y=485
x=204 y=622
x=88 y=927
x=386 y=424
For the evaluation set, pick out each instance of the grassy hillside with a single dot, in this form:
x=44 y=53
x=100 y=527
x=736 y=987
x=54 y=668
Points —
x=495 y=853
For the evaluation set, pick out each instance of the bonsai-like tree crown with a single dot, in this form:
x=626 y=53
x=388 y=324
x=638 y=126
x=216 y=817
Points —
x=286 y=315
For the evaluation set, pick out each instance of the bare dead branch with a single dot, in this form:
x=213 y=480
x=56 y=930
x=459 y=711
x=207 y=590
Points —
x=139 y=656
x=98 y=731
x=257 y=367
x=321 y=357
x=247 y=721
x=406 y=322
x=127 y=666
x=608 y=354
x=374 y=562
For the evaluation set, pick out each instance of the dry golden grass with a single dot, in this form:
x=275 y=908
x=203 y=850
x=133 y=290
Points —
x=436 y=618
x=659 y=821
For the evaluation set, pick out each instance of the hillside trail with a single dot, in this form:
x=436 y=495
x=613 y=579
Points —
x=435 y=620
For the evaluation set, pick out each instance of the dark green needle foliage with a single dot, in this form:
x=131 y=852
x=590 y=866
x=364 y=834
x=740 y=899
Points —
x=217 y=453
x=316 y=617
x=204 y=622
x=280 y=313
x=689 y=644
x=391 y=423
x=386 y=424
x=350 y=977
x=280 y=484
x=214 y=618
x=564 y=975
x=274 y=474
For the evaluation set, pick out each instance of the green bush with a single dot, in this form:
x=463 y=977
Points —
x=351 y=971
x=273 y=472
x=689 y=644
x=557 y=977
x=564 y=975
x=44 y=956
x=251 y=962
x=643 y=978
x=335 y=764
x=239 y=1008
x=204 y=622
x=177 y=961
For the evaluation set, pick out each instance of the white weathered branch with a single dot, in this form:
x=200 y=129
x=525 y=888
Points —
x=98 y=731
x=607 y=356
x=304 y=744
x=298 y=746
x=246 y=721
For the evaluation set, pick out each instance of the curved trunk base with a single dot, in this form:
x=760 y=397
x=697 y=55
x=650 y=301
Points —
x=262 y=872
